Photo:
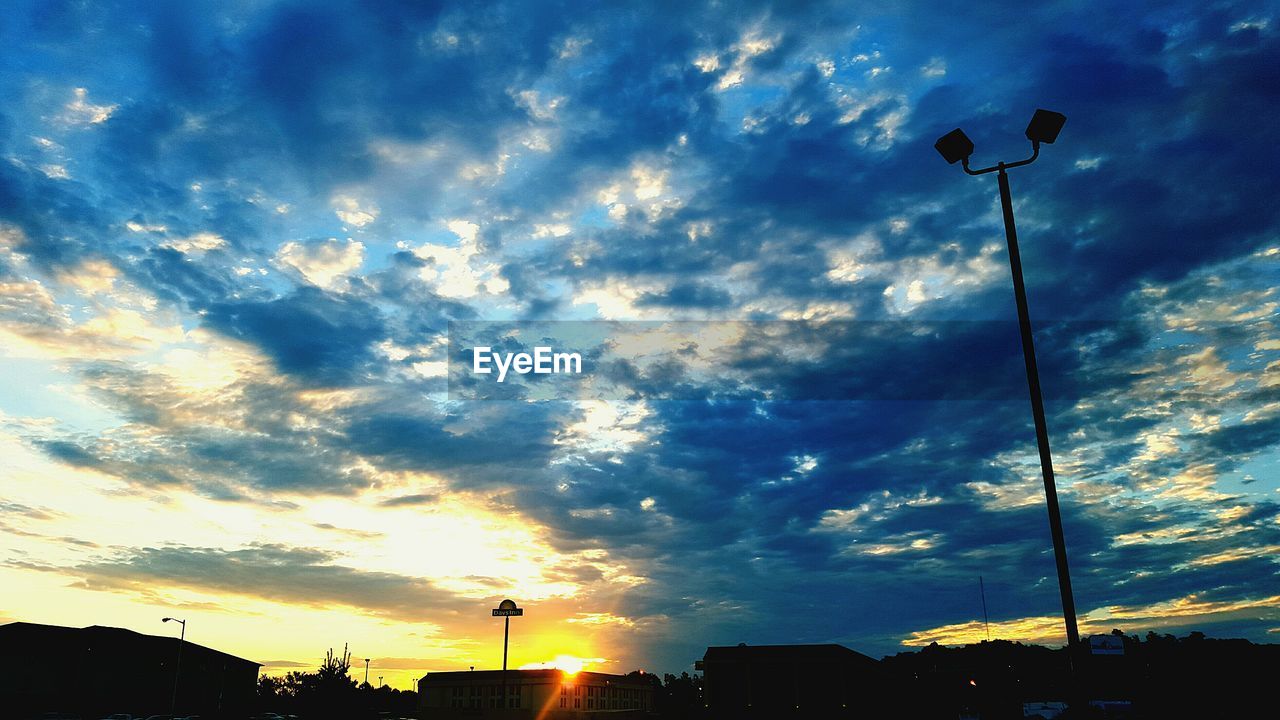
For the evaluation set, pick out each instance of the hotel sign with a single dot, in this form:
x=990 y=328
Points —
x=507 y=608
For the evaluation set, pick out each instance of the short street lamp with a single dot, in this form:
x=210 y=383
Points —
x=954 y=147
x=177 y=668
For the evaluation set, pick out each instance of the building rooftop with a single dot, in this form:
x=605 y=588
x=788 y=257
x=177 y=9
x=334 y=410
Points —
x=549 y=673
x=21 y=631
x=829 y=653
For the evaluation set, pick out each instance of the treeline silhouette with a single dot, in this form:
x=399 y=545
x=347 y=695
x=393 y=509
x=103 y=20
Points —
x=1158 y=677
x=330 y=692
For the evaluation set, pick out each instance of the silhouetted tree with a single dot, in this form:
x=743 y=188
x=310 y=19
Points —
x=328 y=692
x=1164 y=676
x=334 y=673
x=681 y=697
x=271 y=694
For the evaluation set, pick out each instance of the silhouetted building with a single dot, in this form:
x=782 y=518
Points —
x=549 y=694
x=793 y=680
x=98 y=670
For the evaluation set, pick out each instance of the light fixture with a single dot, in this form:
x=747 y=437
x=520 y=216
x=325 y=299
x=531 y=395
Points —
x=954 y=146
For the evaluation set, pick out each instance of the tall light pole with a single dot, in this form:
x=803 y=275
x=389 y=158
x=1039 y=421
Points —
x=955 y=146
x=366 y=671
x=177 y=668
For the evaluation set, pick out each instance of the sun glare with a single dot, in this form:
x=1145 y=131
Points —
x=569 y=664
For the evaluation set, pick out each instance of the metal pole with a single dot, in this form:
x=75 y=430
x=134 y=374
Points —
x=366 y=671
x=177 y=668
x=985 y=624
x=1037 y=410
x=506 y=634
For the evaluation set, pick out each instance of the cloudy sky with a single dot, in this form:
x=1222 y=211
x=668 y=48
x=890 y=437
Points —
x=234 y=237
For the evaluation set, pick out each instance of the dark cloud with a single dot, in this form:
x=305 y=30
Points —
x=18 y=509
x=271 y=572
x=69 y=453
x=310 y=334
x=362 y=534
x=417 y=499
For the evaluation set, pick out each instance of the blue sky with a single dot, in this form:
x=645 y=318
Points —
x=233 y=237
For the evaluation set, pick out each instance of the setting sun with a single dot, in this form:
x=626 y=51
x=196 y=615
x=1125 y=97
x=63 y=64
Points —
x=570 y=664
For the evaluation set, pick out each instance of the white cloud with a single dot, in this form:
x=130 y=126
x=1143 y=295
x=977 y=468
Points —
x=751 y=44
x=610 y=427
x=352 y=212
x=82 y=112
x=197 y=243
x=465 y=230
x=572 y=47
x=707 y=63
x=551 y=230
x=323 y=264
x=538 y=107
x=613 y=299
x=458 y=271
x=936 y=67
x=917 y=280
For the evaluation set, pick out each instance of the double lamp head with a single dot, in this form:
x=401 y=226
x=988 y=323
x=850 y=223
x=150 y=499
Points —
x=1043 y=128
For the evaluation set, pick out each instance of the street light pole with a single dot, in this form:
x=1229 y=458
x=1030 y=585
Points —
x=1037 y=411
x=177 y=668
x=366 y=671
x=956 y=146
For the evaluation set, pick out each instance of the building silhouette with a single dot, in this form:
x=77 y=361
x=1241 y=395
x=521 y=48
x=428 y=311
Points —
x=97 y=670
x=549 y=693
x=788 y=680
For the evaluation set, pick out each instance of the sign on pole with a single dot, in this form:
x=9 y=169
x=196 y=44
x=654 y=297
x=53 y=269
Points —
x=506 y=610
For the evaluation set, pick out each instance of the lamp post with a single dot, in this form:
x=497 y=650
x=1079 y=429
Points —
x=177 y=667
x=955 y=146
x=366 y=671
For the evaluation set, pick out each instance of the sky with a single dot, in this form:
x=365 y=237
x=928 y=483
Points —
x=244 y=246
